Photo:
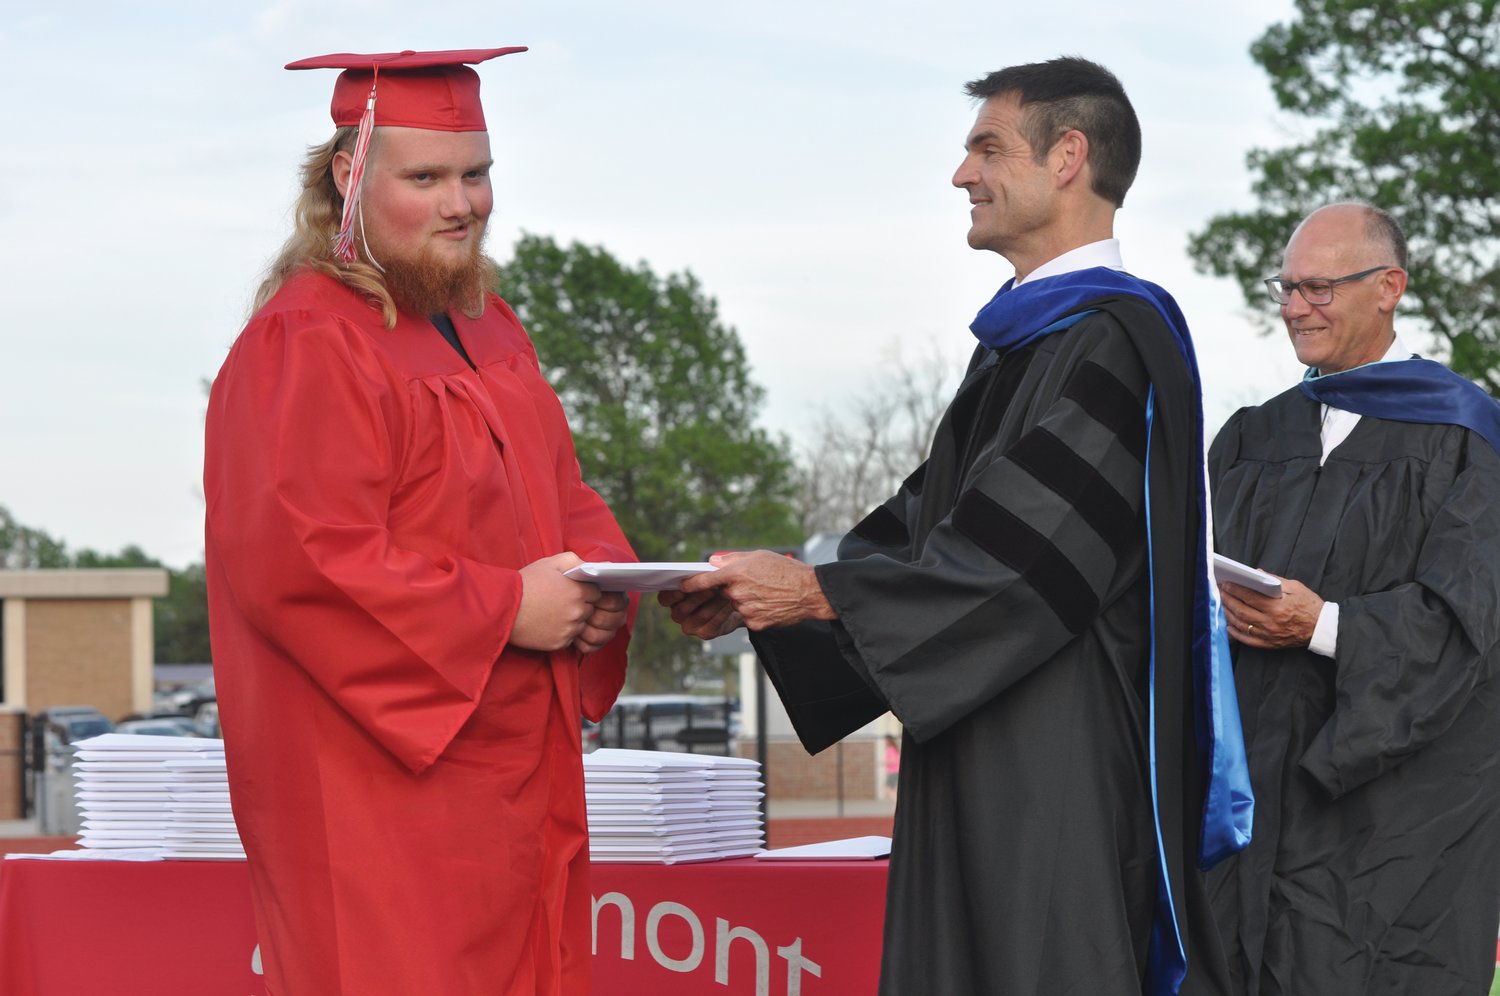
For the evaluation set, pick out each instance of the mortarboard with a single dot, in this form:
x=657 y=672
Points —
x=436 y=91
x=433 y=90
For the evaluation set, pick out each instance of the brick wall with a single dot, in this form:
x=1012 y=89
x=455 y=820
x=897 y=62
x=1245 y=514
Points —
x=12 y=734
x=78 y=653
x=792 y=774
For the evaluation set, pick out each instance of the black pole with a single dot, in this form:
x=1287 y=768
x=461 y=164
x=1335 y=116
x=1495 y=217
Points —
x=839 y=775
x=760 y=739
x=39 y=776
x=32 y=747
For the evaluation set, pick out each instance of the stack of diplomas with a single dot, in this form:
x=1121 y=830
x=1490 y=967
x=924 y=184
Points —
x=167 y=795
x=656 y=806
x=199 y=823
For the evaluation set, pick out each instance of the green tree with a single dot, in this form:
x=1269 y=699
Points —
x=130 y=556
x=181 y=618
x=24 y=548
x=1404 y=100
x=663 y=408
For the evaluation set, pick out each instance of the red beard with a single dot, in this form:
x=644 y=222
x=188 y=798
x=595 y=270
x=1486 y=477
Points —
x=427 y=284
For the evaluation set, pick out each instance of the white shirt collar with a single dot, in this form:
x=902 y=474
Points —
x=1398 y=351
x=1105 y=252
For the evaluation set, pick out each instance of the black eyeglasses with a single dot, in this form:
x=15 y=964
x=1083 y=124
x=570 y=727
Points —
x=1314 y=290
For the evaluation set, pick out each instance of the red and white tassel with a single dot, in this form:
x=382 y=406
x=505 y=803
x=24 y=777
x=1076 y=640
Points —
x=343 y=243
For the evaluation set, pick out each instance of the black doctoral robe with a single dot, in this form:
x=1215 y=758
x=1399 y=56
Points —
x=1373 y=867
x=998 y=605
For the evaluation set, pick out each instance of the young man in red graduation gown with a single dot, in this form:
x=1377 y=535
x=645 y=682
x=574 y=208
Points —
x=393 y=498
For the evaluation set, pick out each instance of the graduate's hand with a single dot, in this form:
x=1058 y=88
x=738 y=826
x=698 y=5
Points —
x=766 y=589
x=609 y=614
x=704 y=614
x=1258 y=620
x=554 y=609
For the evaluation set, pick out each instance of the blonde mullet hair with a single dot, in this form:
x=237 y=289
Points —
x=316 y=224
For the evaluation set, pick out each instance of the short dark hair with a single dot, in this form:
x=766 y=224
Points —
x=1069 y=93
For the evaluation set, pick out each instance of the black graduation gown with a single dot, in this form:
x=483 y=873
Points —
x=998 y=606
x=1373 y=866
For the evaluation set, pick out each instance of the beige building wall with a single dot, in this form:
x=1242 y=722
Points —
x=12 y=768
x=80 y=652
x=79 y=637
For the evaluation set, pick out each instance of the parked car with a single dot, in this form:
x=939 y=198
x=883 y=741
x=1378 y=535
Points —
x=164 y=726
x=172 y=714
x=72 y=723
x=206 y=720
x=186 y=701
x=668 y=722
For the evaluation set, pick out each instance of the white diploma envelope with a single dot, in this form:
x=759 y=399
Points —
x=1234 y=572
x=852 y=848
x=659 y=576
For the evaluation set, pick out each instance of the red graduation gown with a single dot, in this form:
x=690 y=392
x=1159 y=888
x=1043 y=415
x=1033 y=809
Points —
x=409 y=788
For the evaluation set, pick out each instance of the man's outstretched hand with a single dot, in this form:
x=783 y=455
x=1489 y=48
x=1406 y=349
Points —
x=704 y=614
x=758 y=589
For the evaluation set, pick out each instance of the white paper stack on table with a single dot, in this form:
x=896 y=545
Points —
x=167 y=794
x=662 y=807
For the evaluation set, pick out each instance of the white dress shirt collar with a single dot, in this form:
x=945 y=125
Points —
x=1105 y=252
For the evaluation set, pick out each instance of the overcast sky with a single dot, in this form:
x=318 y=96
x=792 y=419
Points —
x=796 y=157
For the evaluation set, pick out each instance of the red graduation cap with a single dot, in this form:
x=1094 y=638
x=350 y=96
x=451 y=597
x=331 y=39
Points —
x=433 y=90
x=436 y=91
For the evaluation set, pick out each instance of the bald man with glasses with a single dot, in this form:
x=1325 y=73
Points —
x=1368 y=693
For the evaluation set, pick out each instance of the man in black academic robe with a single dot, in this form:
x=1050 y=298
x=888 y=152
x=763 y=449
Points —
x=1371 y=713
x=1007 y=606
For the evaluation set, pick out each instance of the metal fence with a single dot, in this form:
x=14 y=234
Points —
x=696 y=725
x=49 y=783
